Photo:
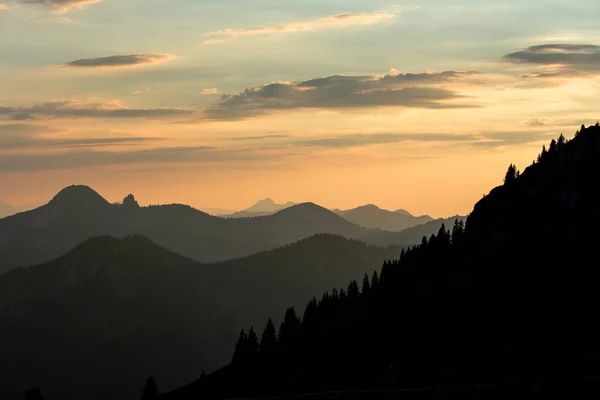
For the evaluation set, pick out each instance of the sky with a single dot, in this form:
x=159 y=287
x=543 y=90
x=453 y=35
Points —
x=220 y=103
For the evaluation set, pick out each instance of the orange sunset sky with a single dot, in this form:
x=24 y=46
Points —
x=218 y=104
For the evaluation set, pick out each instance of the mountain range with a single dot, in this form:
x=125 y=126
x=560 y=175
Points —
x=77 y=213
x=367 y=216
x=93 y=323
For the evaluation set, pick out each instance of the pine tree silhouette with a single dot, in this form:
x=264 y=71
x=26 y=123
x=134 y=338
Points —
x=375 y=280
x=33 y=394
x=251 y=345
x=240 y=347
x=511 y=174
x=150 y=389
x=353 y=290
x=268 y=340
x=366 y=285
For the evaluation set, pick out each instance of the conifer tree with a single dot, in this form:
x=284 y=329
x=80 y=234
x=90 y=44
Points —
x=251 y=344
x=33 y=394
x=240 y=346
x=366 y=285
x=289 y=328
x=353 y=291
x=268 y=340
x=561 y=141
x=334 y=294
x=375 y=280
x=150 y=389
x=511 y=174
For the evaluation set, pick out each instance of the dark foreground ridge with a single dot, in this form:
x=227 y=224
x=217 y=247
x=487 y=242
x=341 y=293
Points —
x=509 y=299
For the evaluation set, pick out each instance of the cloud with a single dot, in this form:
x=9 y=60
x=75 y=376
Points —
x=563 y=122
x=120 y=61
x=500 y=139
x=76 y=159
x=433 y=90
x=78 y=109
x=357 y=140
x=328 y=22
x=258 y=137
x=559 y=60
x=61 y=6
x=210 y=91
x=27 y=136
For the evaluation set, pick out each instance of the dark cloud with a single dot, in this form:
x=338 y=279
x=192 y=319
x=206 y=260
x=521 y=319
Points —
x=22 y=117
x=427 y=90
x=568 y=59
x=127 y=60
x=27 y=136
x=357 y=140
x=75 y=109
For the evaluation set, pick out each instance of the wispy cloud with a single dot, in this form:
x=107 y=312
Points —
x=78 y=158
x=209 y=91
x=263 y=137
x=28 y=136
x=61 y=6
x=120 y=61
x=434 y=90
x=358 y=140
x=79 y=109
x=492 y=140
x=328 y=22
x=559 y=60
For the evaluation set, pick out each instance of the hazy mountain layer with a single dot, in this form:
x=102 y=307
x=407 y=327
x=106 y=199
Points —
x=94 y=323
x=371 y=216
x=78 y=213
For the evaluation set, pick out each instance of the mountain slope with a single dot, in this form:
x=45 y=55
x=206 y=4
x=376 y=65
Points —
x=507 y=301
x=95 y=322
x=371 y=216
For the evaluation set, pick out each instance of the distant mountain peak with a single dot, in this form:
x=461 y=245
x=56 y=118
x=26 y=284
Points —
x=403 y=212
x=268 y=205
x=77 y=196
x=267 y=201
x=368 y=207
